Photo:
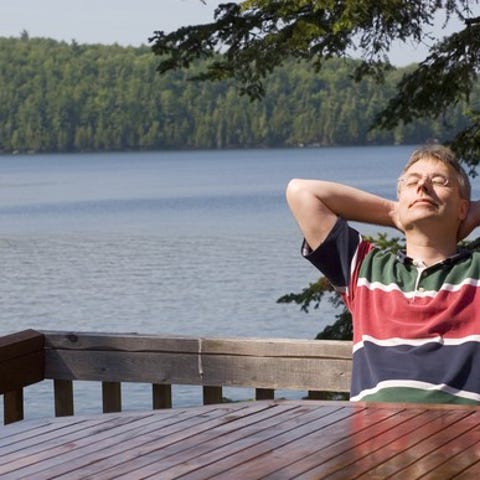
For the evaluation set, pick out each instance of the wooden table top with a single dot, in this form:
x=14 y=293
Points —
x=276 y=439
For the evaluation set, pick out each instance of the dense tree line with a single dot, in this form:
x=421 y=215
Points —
x=60 y=97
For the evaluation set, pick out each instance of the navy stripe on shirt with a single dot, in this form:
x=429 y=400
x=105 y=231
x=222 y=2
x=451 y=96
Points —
x=455 y=365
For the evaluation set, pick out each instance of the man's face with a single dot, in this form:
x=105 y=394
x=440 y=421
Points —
x=429 y=192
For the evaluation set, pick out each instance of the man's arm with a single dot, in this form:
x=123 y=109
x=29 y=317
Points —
x=315 y=204
x=471 y=221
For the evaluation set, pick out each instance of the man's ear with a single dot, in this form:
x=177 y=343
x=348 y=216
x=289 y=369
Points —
x=463 y=209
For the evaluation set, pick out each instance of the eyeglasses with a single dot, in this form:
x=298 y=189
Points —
x=413 y=180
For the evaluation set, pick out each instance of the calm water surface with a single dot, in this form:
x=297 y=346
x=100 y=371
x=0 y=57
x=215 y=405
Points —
x=198 y=243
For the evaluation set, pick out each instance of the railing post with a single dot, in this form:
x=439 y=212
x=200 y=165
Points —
x=22 y=363
x=13 y=406
x=112 y=397
x=264 y=394
x=212 y=395
x=161 y=395
x=316 y=395
x=63 y=393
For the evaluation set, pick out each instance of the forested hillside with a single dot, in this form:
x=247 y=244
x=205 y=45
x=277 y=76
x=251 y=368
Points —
x=59 y=97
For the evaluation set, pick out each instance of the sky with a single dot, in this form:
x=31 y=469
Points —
x=132 y=22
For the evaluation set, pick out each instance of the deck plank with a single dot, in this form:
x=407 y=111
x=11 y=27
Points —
x=47 y=454
x=337 y=439
x=123 y=445
x=47 y=444
x=385 y=447
x=454 y=451
x=241 y=423
x=466 y=458
x=372 y=423
x=471 y=473
x=238 y=439
x=414 y=457
x=270 y=439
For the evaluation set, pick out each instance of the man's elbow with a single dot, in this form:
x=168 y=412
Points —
x=295 y=191
x=300 y=196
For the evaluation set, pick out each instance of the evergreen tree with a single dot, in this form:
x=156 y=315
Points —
x=59 y=97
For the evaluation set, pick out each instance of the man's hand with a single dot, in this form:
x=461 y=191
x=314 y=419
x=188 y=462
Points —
x=472 y=220
x=395 y=216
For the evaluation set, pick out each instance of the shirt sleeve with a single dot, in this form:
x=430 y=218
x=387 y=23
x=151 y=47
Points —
x=334 y=256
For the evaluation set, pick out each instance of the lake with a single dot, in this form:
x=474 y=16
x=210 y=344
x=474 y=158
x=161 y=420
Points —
x=198 y=243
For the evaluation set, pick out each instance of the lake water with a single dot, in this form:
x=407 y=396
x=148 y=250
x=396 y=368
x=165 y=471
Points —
x=191 y=243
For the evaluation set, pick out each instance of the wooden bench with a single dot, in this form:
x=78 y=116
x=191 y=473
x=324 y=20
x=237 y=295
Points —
x=162 y=361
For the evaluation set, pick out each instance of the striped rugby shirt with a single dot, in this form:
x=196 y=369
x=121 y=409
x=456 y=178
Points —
x=416 y=329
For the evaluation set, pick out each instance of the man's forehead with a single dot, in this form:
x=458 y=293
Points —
x=427 y=163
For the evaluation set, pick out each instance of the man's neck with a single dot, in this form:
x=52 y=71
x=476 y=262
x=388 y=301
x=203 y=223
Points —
x=429 y=250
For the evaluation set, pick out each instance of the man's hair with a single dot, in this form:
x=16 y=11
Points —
x=446 y=156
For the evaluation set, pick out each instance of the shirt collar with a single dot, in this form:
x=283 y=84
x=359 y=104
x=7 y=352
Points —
x=402 y=257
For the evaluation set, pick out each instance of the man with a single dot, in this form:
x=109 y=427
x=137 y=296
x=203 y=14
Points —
x=416 y=315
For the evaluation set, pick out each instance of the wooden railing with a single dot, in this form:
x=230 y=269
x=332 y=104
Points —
x=22 y=363
x=162 y=361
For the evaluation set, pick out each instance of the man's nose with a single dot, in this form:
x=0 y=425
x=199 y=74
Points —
x=423 y=184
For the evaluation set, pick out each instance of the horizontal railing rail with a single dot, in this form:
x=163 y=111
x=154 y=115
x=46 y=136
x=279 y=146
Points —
x=162 y=361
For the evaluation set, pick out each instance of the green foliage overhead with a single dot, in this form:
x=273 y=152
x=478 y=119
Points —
x=248 y=40
x=59 y=97
x=442 y=80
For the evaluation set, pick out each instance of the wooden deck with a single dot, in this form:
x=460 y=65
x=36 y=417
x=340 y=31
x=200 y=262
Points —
x=271 y=439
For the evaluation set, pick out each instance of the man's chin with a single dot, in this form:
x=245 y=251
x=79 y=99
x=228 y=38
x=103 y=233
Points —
x=423 y=218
